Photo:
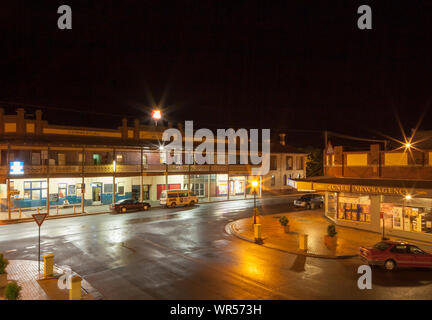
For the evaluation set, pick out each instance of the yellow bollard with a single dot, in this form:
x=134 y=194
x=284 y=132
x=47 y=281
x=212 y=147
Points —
x=75 y=288
x=48 y=265
x=19 y=213
x=303 y=242
x=257 y=232
x=37 y=210
x=73 y=209
x=57 y=210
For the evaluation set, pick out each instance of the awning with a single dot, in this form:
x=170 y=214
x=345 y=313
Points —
x=366 y=186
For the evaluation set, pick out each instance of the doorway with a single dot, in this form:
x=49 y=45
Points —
x=96 y=192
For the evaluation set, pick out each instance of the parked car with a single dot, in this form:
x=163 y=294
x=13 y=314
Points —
x=129 y=205
x=392 y=254
x=310 y=201
x=173 y=198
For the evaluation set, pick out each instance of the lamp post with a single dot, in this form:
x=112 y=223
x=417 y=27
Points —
x=254 y=186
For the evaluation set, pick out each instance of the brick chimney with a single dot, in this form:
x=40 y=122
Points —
x=20 y=122
x=136 y=129
x=282 y=138
x=124 y=129
x=38 y=125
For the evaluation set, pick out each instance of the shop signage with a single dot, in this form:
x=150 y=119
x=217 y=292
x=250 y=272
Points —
x=331 y=187
x=16 y=168
x=379 y=190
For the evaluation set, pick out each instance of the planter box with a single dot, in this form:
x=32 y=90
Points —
x=330 y=242
x=3 y=280
x=287 y=228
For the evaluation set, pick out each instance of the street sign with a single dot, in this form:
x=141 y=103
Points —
x=39 y=218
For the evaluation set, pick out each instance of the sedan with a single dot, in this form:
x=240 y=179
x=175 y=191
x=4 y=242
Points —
x=129 y=205
x=392 y=254
x=310 y=201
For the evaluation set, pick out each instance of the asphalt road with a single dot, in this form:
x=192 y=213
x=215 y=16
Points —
x=185 y=253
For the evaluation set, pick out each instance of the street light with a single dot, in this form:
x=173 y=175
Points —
x=156 y=115
x=254 y=186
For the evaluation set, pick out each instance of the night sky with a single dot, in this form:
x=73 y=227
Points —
x=284 y=65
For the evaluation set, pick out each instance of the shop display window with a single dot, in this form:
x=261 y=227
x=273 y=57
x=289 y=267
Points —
x=414 y=216
x=354 y=208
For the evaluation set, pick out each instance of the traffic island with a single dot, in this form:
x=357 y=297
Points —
x=308 y=235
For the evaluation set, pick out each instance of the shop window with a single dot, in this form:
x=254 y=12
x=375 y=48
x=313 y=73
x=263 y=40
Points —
x=273 y=163
x=273 y=180
x=354 y=208
x=80 y=157
x=285 y=180
x=289 y=162
x=331 y=204
x=35 y=190
x=414 y=215
x=121 y=188
x=299 y=164
x=108 y=187
x=144 y=159
x=71 y=190
x=62 y=190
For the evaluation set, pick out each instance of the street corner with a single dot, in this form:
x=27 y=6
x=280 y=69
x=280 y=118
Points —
x=48 y=281
x=301 y=233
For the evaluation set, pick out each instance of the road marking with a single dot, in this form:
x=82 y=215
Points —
x=31 y=247
x=12 y=250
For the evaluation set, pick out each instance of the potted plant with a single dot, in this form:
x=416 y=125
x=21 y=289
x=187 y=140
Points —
x=3 y=275
x=284 y=222
x=12 y=291
x=330 y=239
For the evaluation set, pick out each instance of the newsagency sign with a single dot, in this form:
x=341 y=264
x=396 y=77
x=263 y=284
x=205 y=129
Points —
x=367 y=189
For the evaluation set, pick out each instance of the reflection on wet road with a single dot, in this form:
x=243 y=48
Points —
x=185 y=253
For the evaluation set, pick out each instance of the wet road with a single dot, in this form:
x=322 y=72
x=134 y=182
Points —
x=185 y=253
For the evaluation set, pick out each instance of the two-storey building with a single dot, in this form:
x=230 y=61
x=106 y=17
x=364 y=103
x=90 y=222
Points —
x=366 y=189
x=54 y=168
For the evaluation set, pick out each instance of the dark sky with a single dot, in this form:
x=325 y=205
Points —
x=286 y=65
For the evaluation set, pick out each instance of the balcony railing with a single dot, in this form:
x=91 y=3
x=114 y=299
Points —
x=131 y=168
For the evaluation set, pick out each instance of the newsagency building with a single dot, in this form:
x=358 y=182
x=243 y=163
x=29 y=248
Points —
x=364 y=189
x=75 y=170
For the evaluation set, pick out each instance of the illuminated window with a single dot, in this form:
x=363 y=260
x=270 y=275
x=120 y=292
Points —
x=35 y=190
x=273 y=180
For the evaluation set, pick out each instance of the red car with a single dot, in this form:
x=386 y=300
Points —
x=392 y=254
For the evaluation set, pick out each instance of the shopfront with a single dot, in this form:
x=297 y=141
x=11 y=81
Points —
x=405 y=207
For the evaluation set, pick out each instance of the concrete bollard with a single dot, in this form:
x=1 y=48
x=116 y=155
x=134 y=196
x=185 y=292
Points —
x=48 y=265
x=257 y=232
x=303 y=242
x=75 y=288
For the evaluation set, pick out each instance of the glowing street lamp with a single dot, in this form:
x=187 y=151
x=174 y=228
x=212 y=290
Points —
x=407 y=145
x=408 y=197
x=156 y=115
